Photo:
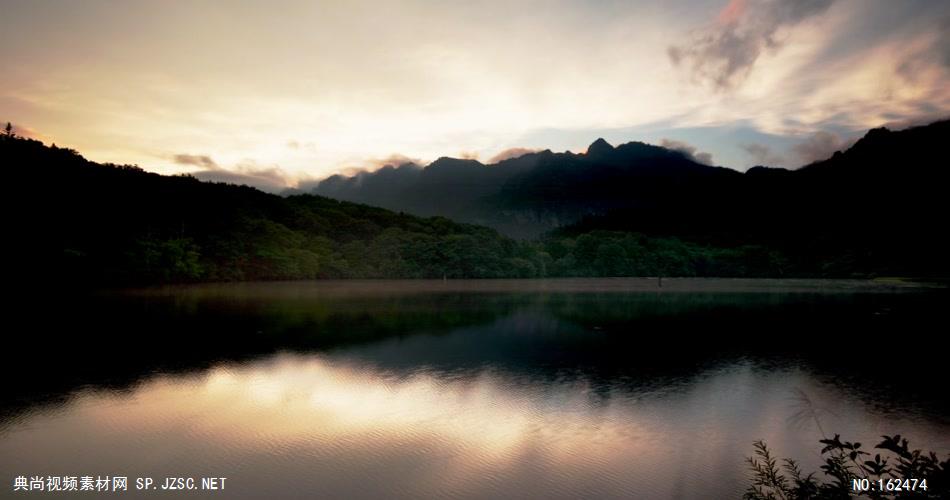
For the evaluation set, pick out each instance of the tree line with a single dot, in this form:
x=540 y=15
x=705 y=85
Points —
x=105 y=223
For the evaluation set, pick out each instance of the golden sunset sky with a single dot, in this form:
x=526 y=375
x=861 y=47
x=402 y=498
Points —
x=280 y=92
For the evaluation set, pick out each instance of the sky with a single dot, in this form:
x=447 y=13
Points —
x=283 y=92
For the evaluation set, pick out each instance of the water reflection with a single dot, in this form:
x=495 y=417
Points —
x=313 y=425
x=551 y=395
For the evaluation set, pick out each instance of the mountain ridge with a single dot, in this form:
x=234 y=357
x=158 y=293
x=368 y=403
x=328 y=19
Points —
x=540 y=191
x=516 y=195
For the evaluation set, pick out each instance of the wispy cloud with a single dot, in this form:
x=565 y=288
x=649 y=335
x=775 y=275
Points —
x=394 y=160
x=763 y=155
x=276 y=85
x=688 y=150
x=820 y=146
x=260 y=180
x=942 y=44
x=356 y=167
x=195 y=160
x=266 y=178
x=510 y=153
x=468 y=155
x=725 y=52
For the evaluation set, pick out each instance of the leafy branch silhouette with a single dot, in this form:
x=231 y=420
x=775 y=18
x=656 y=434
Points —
x=845 y=462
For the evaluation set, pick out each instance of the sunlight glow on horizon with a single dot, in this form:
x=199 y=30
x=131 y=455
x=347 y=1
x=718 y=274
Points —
x=299 y=91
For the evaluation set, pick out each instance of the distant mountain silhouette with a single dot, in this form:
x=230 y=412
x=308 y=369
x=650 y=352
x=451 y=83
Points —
x=533 y=193
x=888 y=176
x=880 y=204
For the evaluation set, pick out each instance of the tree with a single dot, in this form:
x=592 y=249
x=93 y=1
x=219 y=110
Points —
x=611 y=260
x=8 y=130
x=847 y=467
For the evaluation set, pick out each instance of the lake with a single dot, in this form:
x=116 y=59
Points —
x=600 y=388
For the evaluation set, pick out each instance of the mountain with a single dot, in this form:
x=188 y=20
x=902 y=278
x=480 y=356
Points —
x=533 y=193
x=77 y=222
x=880 y=204
x=663 y=189
x=448 y=187
x=878 y=208
x=877 y=205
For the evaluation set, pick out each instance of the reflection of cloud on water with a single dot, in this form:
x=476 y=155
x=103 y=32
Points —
x=314 y=397
x=339 y=429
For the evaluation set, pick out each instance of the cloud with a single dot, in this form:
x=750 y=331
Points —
x=510 y=153
x=196 y=161
x=272 y=178
x=465 y=77
x=724 y=53
x=820 y=146
x=394 y=160
x=937 y=52
x=732 y=12
x=763 y=154
x=301 y=146
x=918 y=60
x=372 y=164
x=942 y=44
x=925 y=119
x=690 y=151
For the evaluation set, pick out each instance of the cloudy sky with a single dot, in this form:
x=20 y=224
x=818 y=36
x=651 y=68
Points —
x=281 y=91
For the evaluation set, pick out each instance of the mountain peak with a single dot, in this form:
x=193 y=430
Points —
x=599 y=147
x=444 y=161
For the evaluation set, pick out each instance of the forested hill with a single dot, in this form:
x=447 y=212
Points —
x=82 y=222
x=881 y=205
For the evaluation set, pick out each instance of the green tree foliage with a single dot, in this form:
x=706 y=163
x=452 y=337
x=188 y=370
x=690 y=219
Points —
x=176 y=259
x=617 y=253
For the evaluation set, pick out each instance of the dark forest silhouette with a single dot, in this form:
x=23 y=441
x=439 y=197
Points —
x=637 y=210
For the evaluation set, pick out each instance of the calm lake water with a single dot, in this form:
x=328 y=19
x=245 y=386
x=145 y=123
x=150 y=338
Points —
x=491 y=389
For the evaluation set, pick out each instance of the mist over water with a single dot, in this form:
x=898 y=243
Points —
x=563 y=389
